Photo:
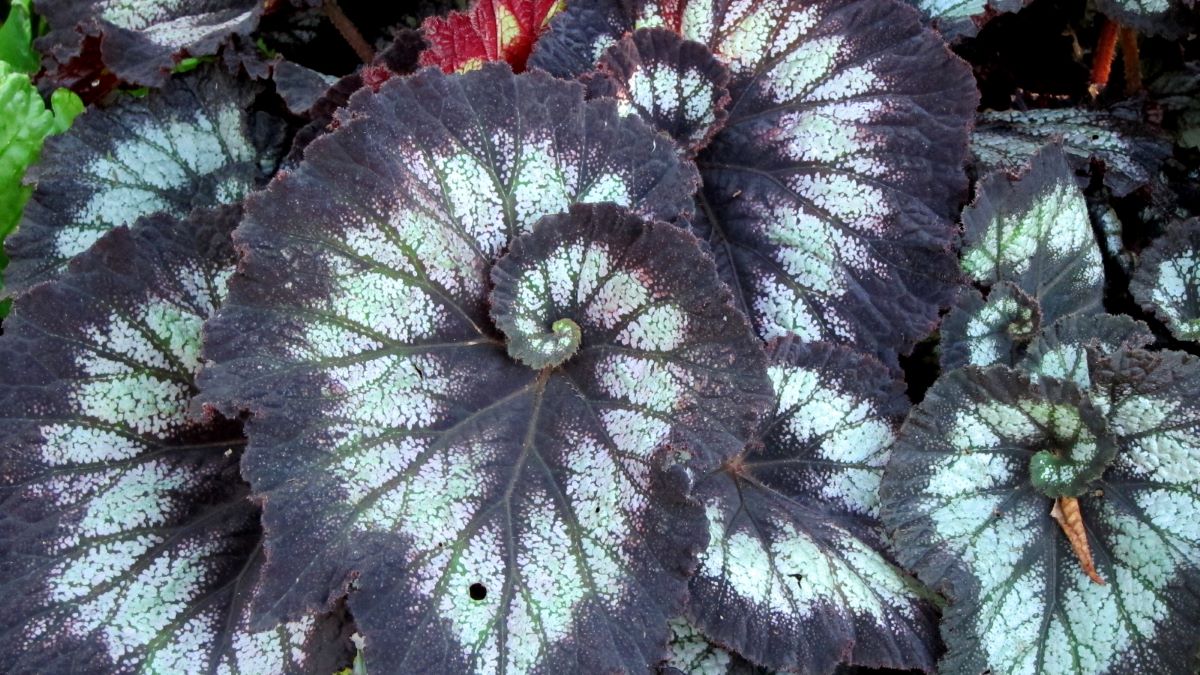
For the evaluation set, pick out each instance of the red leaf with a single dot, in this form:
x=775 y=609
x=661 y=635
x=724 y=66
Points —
x=492 y=30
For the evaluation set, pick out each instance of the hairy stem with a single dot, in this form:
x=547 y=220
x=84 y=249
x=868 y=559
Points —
x=348 y=30
x=1102 y=58
x=1132 y=61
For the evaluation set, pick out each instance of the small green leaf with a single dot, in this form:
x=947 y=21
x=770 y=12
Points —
x=16 y=39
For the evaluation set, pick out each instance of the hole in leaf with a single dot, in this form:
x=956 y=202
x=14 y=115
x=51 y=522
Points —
x=478 y=591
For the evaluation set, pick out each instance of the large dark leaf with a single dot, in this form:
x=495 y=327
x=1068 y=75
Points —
x=482 y=514
x=957 y=19
x=792 y=578
x=829 y=194
x=965 y=515
x=192 y=144
x=141 y=40
x=127 y=543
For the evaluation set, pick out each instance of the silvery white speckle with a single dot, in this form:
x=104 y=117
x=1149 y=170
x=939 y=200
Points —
x=506 y=506
x=1167 y=281
x=1021 y=602
x=1035 y=233
x=979 y=332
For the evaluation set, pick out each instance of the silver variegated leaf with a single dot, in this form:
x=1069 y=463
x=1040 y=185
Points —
x=192 y=144
x=1035 y=233
x=127 y=543
x=957 y=19
x=1131 y=150
x=985 y=332
x=1167 y=281
x=676 y=85
x=1061 y=350
x=141 y=40
x=483 y=515
x=825 y=201
x=792 y=578
x=962 y=509
x=1168 y=18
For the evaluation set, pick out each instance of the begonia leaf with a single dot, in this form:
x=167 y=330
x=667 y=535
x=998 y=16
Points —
x=142 y=40
x=984 y=332
x=792 y=578
x=825 y=200
x=965 y=514
x=1168 y=18
x=491 y=30
x=1167 y=281
x=1061 y=350
x=1035 y=233
x=191 y=144
x=957 y=19
x=482 y=515
x=127 y=543
x=676 y=85
x=1131 y=150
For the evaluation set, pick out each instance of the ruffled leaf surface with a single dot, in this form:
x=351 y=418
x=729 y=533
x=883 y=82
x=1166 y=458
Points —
x=676 y=85
x=1167 y=281
x=1035 y=233
x=958 y=19
x=482 y=515
x=1168 y=18
x=958 y=500
x=792 y=578
x=142 y=40
x=127 y=543
x=985 y=332
x=192 y=144
x=829 y=194
x=491 y=30
x=1132 y=152
x=1061 y=350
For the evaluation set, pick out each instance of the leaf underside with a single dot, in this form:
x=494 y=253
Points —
x=141 y=40
x=191 y=144
x=127 y=542
x=491 y=30
x=483 y=515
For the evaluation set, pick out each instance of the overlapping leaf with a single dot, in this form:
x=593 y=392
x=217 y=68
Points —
x=676 y=85
x=792 y=578
x=956 y=19
x=964 y=512
x=126 y=540
x=1061 y=350
x=141 y=40
x=1169 y=18
x=484 y=516
x=1167 y=281
x=192 y=144
x=826 y=199
x=1035 y=233
x=982 y=332
x=1131 y=150
x=491 y=30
